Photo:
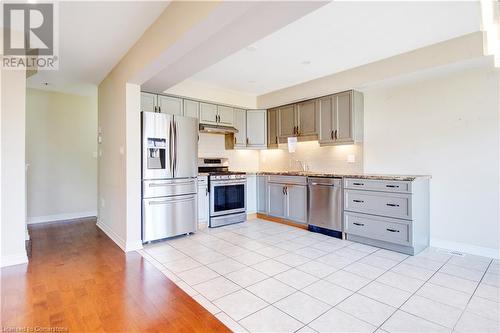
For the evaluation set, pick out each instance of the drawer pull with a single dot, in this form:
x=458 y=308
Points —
x=358 y=184
x=360 y=224
x=358 y=201
x=392 y=230
x=392 y=186
x=392 y=205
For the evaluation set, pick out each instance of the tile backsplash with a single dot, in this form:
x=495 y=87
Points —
x=320 y=159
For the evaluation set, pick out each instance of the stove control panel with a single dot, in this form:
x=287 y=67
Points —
x=229 y=177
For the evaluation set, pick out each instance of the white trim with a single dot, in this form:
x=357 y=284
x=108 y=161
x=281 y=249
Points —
x=466 y=248
x=26 y=235
x=111 y=234
x=14 y=259
x=61 y=217
x=133 y=245
x=125 y=246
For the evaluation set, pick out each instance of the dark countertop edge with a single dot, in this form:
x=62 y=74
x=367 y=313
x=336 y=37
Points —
x=339 y=175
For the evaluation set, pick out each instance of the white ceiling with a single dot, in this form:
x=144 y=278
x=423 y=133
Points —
x=93 y=37
x=339 y=36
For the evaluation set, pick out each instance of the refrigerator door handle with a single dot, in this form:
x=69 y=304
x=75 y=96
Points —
x=175 y=146
x=170 y=145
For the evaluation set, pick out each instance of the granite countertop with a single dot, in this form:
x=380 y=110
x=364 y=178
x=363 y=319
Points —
x=342 y=175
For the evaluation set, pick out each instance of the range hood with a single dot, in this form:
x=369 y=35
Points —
x=217 y=129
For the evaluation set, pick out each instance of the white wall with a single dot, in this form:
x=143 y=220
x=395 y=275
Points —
x=61 y=150
x=13 y=189
x=447 y=127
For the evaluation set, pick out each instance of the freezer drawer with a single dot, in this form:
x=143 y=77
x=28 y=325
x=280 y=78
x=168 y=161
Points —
x=169 y=216
x=168 y=187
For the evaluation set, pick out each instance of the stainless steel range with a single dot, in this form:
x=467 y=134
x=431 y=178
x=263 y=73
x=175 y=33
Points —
x=227 y=192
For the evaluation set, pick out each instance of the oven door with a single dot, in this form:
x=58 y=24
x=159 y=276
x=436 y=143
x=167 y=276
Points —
x=227 y=197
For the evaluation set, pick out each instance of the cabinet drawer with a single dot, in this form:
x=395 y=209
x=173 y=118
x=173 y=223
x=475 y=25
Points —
x=376 y=227
x=299 y=180
x=378 y=203
x=378 y=185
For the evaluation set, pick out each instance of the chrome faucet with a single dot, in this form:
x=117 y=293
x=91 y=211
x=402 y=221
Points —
x=303 y=165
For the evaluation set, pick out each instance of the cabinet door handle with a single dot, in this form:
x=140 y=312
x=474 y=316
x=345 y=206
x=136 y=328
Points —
x=155 y=109
x=392 y=186
x=234 y=140
x=361 y=201
x=206 y=190
x=358 y=184
x=359 y=224
x=331 y=135
x=335 y=135
x=392 y=205
x=276 y=139
x=159 y=109
x=283 y=190
x=392 y=230
x=247 y=141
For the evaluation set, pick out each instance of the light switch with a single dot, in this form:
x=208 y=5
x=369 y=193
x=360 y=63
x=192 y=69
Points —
x=351 y=158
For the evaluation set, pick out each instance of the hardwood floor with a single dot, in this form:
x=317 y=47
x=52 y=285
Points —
x=79 y=280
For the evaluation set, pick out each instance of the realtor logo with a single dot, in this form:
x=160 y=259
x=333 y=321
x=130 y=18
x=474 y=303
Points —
x=29 y=36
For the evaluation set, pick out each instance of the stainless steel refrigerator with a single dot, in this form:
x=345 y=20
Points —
x=169 y=171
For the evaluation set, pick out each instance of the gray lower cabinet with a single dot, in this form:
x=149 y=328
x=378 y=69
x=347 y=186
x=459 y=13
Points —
x=276 y=199
x=261 y=194
x=388 y=214
x=203 y=200
x=296 y=203
x=287 y=198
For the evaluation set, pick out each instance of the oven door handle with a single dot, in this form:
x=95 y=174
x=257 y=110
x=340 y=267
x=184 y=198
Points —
x=227 y=182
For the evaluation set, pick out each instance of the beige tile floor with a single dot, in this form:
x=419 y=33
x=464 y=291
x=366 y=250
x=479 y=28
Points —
x=261 y=276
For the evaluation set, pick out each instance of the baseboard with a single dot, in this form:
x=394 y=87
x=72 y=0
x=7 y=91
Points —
x=61 y=217
x=280 y=220
x=466 y=248
x=125 y=246
x=14 y=259
x=133 y=245
x=111 y=234
x=251 y=216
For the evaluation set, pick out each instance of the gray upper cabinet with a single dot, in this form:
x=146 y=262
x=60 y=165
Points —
x=272 y=128
x=276 y=199
x=306 y=118
x=208 y=113
x=226 y=115
x=148 y=102
x=256 y=121
x=191 y=108
x=170 y=105
x=341 y=118
x=325 y=114
x=296 y=196
x=240 y=123
x=286 y=122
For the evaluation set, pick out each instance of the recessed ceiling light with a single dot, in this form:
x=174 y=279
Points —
x=250 y=48
x=306 y=62
x=46 y=83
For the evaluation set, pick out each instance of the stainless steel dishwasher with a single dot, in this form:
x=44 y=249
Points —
x=325 y=205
